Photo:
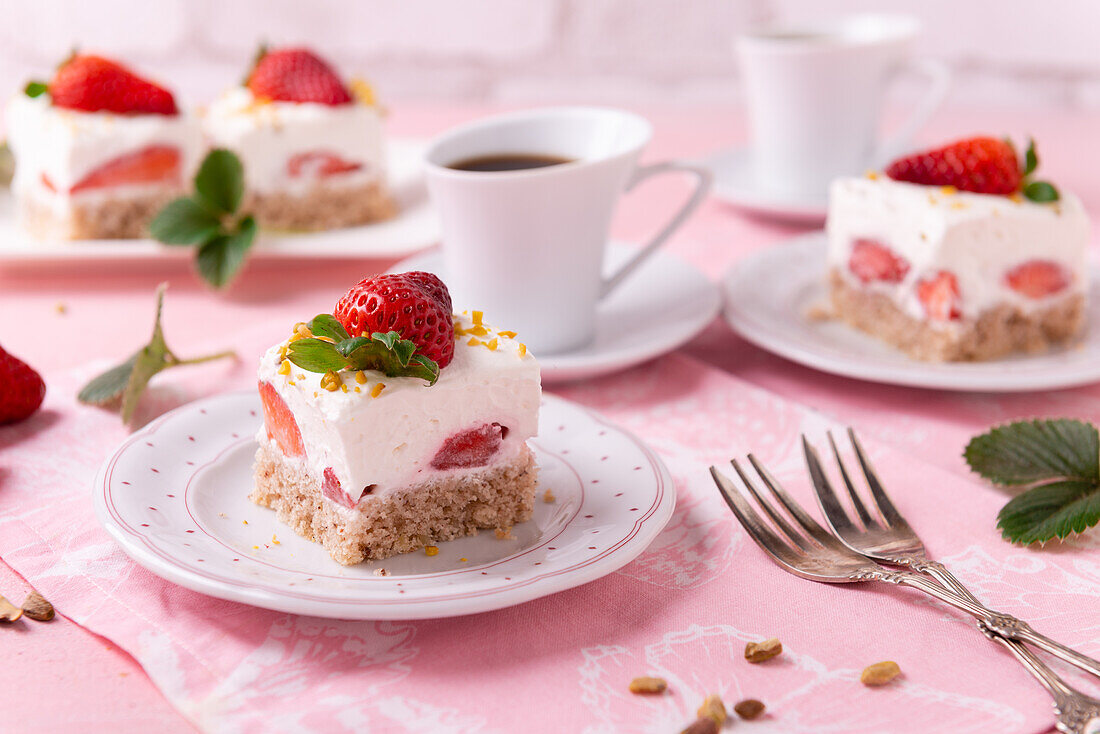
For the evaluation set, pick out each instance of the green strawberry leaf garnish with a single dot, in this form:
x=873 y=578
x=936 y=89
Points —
x=1041 y=192
x=1031 y=158
x=124 y=384
x=36 y=89
x=1056 y=464
x=208 y=219
x=326 y=324
x=386 y=352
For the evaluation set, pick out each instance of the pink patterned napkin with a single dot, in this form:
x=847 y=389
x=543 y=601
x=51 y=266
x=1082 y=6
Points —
x=683 y=611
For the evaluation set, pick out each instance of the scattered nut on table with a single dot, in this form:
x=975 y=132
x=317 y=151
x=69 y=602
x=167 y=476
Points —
x=8 y=611
x=702 y=725
x=880 y=674
x=749 y=709
x=758 y=652
x=713 y=708
x=648 y=684
x=36 y=607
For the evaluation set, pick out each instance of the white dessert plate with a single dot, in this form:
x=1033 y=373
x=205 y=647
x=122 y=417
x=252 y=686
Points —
x=770 y=294
x=736 y=185
x=175 y=497
x=657 y=309
x=414 y=228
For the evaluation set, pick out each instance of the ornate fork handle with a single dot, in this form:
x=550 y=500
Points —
x=1005 y=624
x=1075 y=713
x=1002 y=624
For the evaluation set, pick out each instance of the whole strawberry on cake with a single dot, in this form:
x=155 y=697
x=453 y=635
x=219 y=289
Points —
x=958 y=253
x=98 y=151
x=312 y=146
x=392 y=424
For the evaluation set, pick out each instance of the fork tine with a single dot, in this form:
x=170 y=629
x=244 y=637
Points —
x=864 y=516
x=811 y=526
x=772 y=544
x=826 y=496
x=878 y=492
x=780 y=522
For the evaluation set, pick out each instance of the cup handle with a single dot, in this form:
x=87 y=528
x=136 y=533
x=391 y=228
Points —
x=939 y=78
x=703 y=178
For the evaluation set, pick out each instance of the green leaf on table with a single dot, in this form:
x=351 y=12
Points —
x=1041 y=192
x=1056 y=464
x=35 y=89
x=184 y=222
x=109 y=386
x=1048 y=511
x=124 y=384
x=1026 y=452
x=325 y=324
x=219 y=184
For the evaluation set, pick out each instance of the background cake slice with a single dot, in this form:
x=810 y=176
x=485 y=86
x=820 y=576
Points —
x=98 y=151
x=313 y=151
x=376 y=445
x=946 y=258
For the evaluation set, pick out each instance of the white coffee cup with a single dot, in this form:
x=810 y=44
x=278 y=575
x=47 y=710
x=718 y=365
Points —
x=526 y=247
x=815 y=91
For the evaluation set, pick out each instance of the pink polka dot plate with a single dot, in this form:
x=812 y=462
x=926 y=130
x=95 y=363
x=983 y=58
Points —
x=175 y=497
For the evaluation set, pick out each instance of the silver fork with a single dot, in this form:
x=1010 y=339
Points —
x=888 y=537
x=814 y=553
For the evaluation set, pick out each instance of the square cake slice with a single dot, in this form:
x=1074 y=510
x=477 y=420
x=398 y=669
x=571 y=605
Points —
x=312 y=147
x=947 y=274
x=98 y=151
x=371 y=454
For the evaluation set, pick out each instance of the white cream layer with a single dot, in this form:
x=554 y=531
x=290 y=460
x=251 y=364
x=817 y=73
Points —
x=67 y=145
x=265 y=135
x=389 y=441
x=978 y=237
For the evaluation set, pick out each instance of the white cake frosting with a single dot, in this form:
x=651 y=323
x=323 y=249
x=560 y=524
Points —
x=66 y=145
x=389 y=441
x=977 y=237
x=266 y=134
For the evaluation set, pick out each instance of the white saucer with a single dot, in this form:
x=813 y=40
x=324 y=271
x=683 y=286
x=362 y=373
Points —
x=413 y=228
x=769 y=293
x=660 y=307
x=175 y=497
x=734 y=183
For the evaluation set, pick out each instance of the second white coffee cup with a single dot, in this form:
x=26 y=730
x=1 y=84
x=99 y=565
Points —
x=526 y=247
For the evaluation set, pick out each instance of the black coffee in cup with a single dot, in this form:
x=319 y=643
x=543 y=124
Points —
x=508 y=162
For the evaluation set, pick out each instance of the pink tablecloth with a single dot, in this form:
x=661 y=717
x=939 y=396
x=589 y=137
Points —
x=683 y=610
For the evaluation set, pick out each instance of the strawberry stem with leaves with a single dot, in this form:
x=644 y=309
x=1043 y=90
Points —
x=332 y=349
x=1055 y=467
x=124 y=384
x=209 y=221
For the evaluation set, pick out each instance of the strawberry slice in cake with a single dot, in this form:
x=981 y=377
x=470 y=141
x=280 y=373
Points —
x=312 y=149
x=98 y=151
x=391 y=424
x=957 y=254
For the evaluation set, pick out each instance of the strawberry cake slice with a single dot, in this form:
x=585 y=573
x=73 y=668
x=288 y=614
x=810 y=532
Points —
x=957 y=254
x=312 y=147
x=391 y=424
x=98 y=151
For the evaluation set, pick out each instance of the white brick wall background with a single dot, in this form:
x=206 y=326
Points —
x=1012 y=52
